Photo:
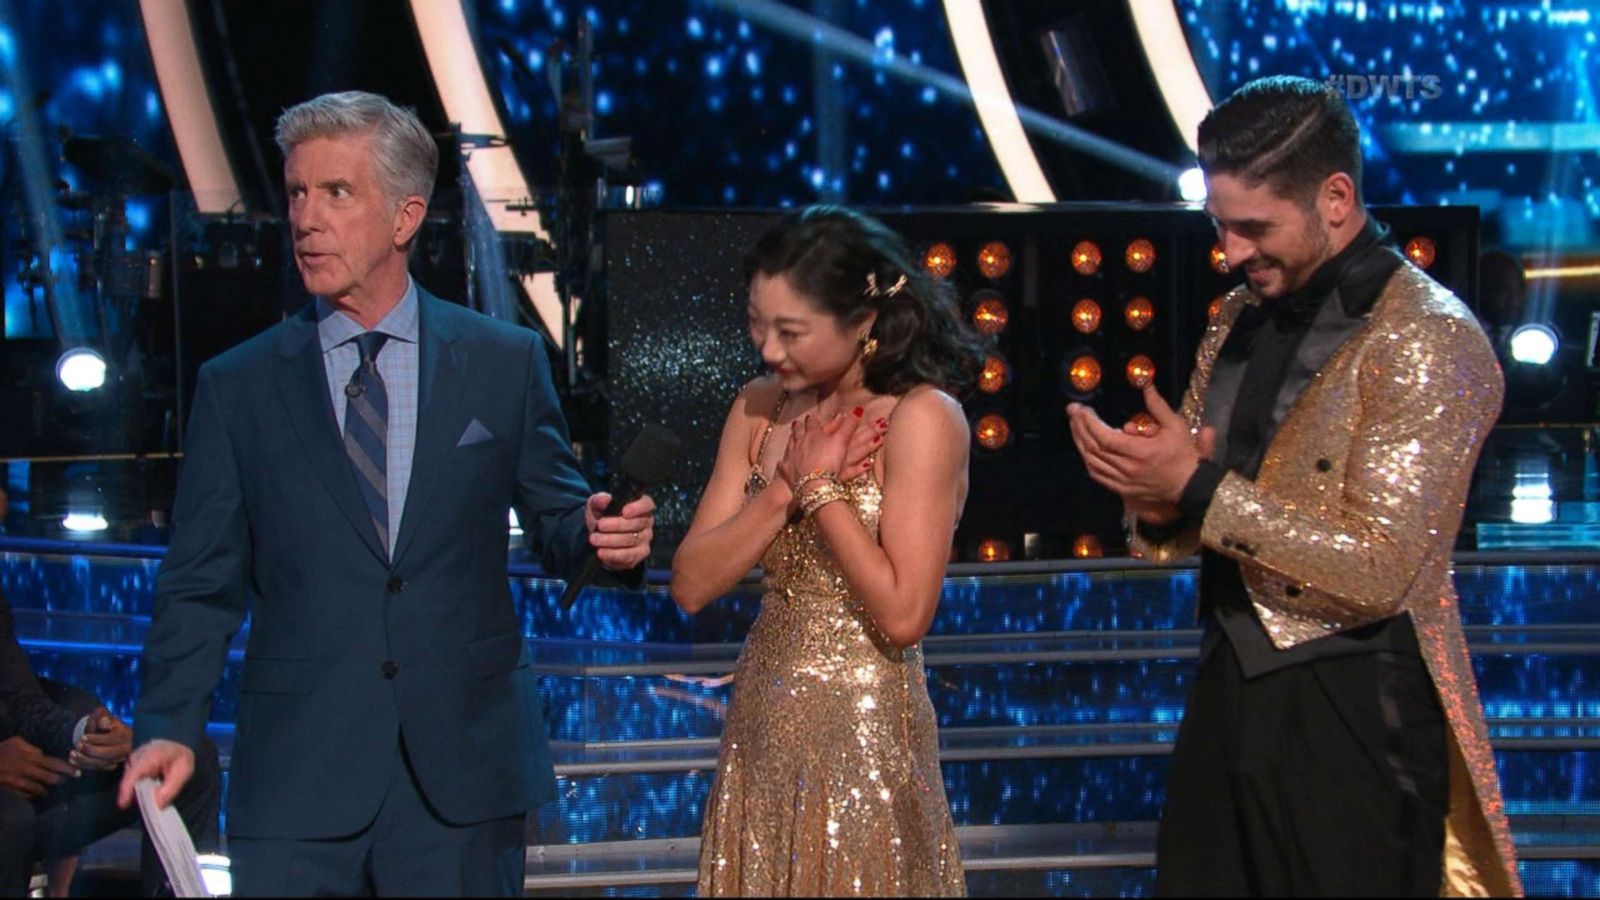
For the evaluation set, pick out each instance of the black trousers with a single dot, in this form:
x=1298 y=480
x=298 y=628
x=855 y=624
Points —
x=1325 y=778
x=80 y=811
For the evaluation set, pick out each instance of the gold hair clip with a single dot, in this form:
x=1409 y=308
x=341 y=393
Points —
x=874 y=291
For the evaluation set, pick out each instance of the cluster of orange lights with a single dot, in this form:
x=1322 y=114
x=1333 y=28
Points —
x=1139 y=313
x=994 y=260
x=1421 y=251
x=1086 y=316
x=1141 y=371
x=992 y=432
x=1219 y=259
x=939 y=260
x=994 y=376
x=1084 y=374
x=1086 y=258
x=990 y=315
x=1084 y=546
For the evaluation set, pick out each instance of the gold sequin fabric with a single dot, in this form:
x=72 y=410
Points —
x=1354 y=513
x=828 y=778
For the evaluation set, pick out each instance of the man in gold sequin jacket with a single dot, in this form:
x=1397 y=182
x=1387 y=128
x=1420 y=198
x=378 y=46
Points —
x=1333 y=742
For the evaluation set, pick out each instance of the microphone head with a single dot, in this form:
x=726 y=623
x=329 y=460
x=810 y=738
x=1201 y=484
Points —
x=649 y=459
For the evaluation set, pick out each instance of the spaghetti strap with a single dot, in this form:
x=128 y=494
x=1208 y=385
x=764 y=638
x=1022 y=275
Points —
x=777 y=412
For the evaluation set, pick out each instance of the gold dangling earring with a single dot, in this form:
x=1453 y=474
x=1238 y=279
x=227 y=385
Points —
x=868 y=348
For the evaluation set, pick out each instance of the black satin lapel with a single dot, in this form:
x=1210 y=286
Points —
x=1227 y=374
x=303 y=388
x=1329 y=331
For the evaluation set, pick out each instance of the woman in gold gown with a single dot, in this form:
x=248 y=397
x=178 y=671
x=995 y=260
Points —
x=843 y=474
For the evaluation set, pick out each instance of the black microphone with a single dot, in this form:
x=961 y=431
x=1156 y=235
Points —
x=647 y=462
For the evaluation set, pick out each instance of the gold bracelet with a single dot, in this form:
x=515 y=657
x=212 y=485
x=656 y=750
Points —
x=822 y=496
x=827 y=475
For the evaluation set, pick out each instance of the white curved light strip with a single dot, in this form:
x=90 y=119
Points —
x=188 y=103
x=453 y=60
x=1172 y=63
x=998 y=112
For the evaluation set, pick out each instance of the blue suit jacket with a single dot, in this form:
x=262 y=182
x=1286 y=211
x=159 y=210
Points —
x=268 y=509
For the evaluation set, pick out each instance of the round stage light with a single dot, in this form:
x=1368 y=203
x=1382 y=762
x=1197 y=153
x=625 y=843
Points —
x=994 y=260
x=1141 y=371
x=993 y=550
x=993 y=432
x=1192 y=185
x=1086 y=316
x=990 y=315
x=81 y=369
x=1534 y=344
x=1421 y=251
x=1143 y=424
x=1140 y=255
x=1084 y=374
x=939 y=260
x=1086 y=258
x=1087 y=546
x=995 y=375
x=1139 y=313
x=1219 y=259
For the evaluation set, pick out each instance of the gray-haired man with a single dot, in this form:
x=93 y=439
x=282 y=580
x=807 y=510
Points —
x=350 y=470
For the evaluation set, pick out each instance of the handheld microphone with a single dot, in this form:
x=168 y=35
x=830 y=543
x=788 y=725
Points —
x=647 y=463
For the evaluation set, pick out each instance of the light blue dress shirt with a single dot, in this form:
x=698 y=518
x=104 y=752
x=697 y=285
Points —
x=398 y=366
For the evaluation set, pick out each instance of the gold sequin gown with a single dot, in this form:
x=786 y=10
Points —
x=828 y=778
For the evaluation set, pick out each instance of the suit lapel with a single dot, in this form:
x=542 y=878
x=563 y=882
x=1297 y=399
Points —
x=1329 y=331
x=441 y=416
x=1227 y=374
x=303 y=389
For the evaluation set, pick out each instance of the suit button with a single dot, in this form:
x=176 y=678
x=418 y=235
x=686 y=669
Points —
x=396 y=584
x=389 y=668
x=1324 y=465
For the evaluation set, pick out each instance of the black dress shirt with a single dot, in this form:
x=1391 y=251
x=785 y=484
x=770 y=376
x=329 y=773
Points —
x=1269 y=337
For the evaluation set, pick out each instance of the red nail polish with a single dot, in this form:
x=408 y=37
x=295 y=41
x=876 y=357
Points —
x=881 y=422
x=859 y=412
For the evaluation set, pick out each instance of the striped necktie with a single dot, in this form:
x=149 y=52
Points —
x=366 y=432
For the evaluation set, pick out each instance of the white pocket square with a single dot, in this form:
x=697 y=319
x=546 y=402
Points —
x=475 y=434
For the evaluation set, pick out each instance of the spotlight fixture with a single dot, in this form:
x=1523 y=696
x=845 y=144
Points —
x=995 y=375
x=81 y=369
x=1421 y=251
x=1219 y=259
x=85 y=522
x=1140 y=255
x=939 y=260
x=994 y=260
x=1083 y=374
x=1086 y=258
x=1087 y=546
x=992 y=432
x=1141 y=371
x=990 y=315
x=993 y=550
x=1192 y=185
x=1534 y=344
x=1139 y=313
x=1086 y=316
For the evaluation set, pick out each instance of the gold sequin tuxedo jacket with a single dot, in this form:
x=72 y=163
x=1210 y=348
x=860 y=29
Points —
x=1353 y=515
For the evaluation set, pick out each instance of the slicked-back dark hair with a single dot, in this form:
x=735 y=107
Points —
x=1287 y=132
x=827 y=252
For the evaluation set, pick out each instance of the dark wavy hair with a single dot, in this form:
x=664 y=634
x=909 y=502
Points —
x=1288 y=132
x=827 y=252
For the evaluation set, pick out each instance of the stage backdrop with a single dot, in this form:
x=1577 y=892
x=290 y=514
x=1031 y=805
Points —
x=1082 y=302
